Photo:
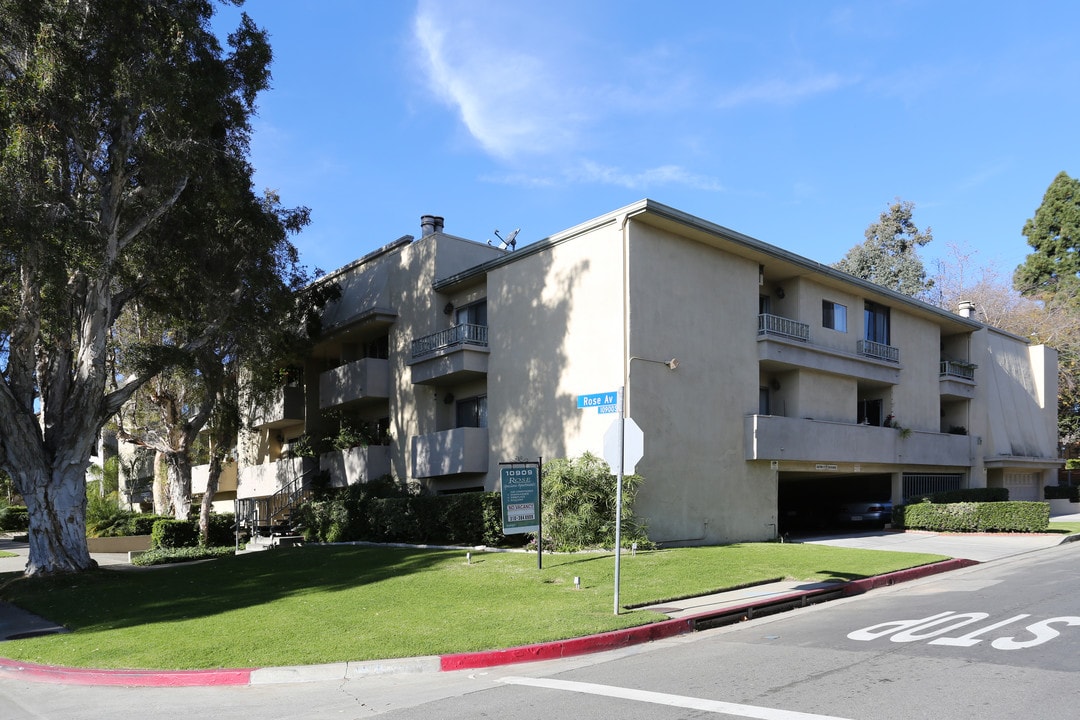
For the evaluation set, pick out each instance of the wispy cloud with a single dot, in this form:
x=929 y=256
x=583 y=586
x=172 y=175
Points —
x=512 y=102
x=783 y=91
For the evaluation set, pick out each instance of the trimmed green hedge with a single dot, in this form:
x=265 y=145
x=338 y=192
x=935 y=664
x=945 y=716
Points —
x=473 y=518
x=1005 y=516
x=174 y=534
x=968 y=495
x=1062 y=492
x=14 y=518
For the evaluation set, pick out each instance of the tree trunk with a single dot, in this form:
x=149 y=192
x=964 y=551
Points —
x=179 y=465
x=56 y=507
x=208 y=498
x=161 y=485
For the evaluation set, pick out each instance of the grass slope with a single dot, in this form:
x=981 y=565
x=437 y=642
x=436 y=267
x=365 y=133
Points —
x=334 y=603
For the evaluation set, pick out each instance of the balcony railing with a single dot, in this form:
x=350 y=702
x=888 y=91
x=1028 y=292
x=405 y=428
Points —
x=877 y=350
x=464 y=334
x=776 y=325
x=953 y=368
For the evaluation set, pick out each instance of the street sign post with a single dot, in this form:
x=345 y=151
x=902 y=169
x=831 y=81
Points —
x=520 y=491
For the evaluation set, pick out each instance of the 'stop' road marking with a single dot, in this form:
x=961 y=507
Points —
x=681 y=701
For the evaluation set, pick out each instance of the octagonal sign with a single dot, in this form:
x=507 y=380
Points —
x=633 y=446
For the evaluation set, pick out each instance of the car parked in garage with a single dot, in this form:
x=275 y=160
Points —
x=865 y=512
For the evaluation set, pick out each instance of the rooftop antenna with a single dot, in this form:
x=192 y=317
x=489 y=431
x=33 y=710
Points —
x=509 y=243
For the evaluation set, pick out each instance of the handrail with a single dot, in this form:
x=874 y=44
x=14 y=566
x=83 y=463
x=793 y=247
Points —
x=778 y=325
x=954 y=368
x=881 y=351
x=464 y=334
x=265 y=511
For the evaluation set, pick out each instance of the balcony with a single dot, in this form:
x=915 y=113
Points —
x=787 y=351
x=359 y=380
x=451 y=355
x=878 y=351
x=285 y=407
x=268 y=478
x=200 y=474
x=957 y=369
x=770 y=437
x=450 y=452
x=356 y=465
x=783 y=327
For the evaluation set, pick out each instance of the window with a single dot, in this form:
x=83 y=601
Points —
x=869 y=412
x=475 y=314
x=834 y=316
x=876 y=318
x=764 y=305
x=472 y=412
x=763 y=401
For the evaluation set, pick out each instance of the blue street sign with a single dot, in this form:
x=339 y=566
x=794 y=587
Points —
x=605 y=402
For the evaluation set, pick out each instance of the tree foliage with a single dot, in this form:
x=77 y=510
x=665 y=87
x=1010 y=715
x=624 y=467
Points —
x=1053 y=269
x=578 y=498
x=1050 y=276
x=124 y=182
x=889 y=256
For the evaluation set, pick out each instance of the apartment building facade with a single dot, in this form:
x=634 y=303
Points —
x=793 y=379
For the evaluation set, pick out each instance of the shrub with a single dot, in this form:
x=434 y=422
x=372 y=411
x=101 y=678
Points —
x=1062 y=492
x=973 y=517
x=174 y=534
x=578 y=498
x=974 y=495
x=162 y=556
x=221 y=530
x=390 y=512
x=14 y=518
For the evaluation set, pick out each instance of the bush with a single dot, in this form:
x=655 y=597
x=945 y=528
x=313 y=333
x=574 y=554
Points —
x=14 y=518
x=162 y=556
x=394 y=513
x=173 y=534
x=579 y=505
x=221 y=530
x=973 y=517
x=968 y=495
x=1062 y=492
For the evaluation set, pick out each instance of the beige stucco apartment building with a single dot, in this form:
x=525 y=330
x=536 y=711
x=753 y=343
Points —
x=793 y=379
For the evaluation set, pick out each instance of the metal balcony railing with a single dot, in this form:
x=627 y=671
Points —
x=953 y=368
x=877 y=350
x=776 y=325
x=464 y=334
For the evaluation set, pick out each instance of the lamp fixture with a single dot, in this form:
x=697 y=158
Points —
x=448 y=308
x=780 y=293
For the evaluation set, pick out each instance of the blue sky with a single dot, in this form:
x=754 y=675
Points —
x=797 y=123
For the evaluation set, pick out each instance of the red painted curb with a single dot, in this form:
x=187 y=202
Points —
x=130 y=678
x=857 y=587
x=567 y=648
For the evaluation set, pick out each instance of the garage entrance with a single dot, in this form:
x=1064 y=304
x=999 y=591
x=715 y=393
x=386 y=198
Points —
x=813 y=503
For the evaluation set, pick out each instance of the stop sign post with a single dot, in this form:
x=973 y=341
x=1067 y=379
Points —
x=624 y=434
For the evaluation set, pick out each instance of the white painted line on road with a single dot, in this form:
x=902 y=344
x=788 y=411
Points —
x=680 y=701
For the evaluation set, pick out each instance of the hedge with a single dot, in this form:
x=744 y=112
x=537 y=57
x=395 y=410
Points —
x=473 y=518
x=1014 y=516
x=1062 y=492
x=968 y=495
x=174 y=534
x=14 y=518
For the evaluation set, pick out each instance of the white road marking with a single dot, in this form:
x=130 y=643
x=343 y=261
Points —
x=681 y=701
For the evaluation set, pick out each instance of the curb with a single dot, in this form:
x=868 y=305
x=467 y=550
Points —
x=612 y=640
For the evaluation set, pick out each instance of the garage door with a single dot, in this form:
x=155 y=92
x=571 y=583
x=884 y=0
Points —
x=1022 y=486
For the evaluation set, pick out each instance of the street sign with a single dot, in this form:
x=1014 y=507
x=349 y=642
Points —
x=520 y=499
x=605 y=402
x=632 y=441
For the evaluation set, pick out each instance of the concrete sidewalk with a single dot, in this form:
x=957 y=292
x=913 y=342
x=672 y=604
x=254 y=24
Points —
x=685 y=615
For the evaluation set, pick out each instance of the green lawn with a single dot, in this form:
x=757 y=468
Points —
x=5 y=553
x=1065 y=528
x=333 y=603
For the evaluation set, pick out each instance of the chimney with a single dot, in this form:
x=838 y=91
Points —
x=430 y=224
x=966 y=308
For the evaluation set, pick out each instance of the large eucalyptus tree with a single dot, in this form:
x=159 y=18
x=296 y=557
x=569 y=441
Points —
x=123 y=151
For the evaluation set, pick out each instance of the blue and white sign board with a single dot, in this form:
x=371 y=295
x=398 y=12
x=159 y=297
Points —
x=520 y=499
x=605 y=402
